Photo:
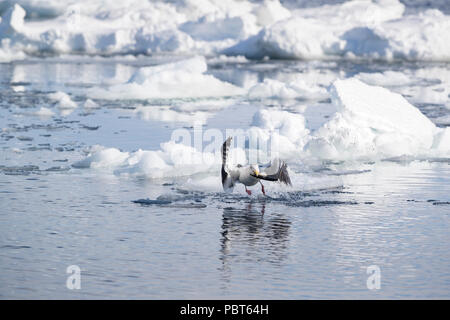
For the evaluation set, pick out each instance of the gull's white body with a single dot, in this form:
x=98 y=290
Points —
x=243 y=175
x=250 y=175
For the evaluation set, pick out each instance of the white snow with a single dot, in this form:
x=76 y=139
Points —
x=167 y=114
x=371 y=122
x=173 y=160
x=102 y=158
x=286 y=132
x=89 y=104
x=385 y=79
x=62 y=100
x=354 y=29
x=8 y=54
x=182 y=79
x=44 y=112
x=297 y=89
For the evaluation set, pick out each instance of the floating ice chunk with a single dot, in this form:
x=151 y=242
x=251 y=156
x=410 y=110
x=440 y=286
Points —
x=283 y=40
x=172 y=160
x=90 y=104
x=284 y=133
x=195 y=65
x=371 y=122
x=220 y=59
x=44 y=112
x=425 y=36
x=387 y=78
x=18 y=88
x=132 y=26
x=149 y=41
x=194 y=112
x=8 y=54
x=211 y=28
x=272 y=88
x=62 y=100
x=12 y=21
x=182 y=79
x=306 y=36
x=11 y=26
x=364 y=28
x=288 y=124
x=204 y=105
x=101 y=157
x=166 y=114
x=353 y=29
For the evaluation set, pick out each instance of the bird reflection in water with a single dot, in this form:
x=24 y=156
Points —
x=250 y=234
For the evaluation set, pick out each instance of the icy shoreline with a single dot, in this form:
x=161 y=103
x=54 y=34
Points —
x=353 y=30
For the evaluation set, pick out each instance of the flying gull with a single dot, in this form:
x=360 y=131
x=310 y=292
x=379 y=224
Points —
x=249 y=175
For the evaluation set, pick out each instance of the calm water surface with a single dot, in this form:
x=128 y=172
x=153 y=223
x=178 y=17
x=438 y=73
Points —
x=316 y=242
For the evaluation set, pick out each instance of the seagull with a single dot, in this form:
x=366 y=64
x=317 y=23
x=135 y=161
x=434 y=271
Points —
x=249 y=175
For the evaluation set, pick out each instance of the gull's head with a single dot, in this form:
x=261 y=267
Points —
x=255 y=169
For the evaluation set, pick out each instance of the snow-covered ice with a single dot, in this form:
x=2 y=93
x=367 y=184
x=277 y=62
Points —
x=182 y=79
x=370 y=123
x=355 y=29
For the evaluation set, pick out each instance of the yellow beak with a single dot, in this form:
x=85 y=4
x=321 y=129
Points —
x=256 y=172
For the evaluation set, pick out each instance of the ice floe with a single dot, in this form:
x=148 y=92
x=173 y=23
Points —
x=172 y=160
x=168 y=114
x=62 y=100
x=89 y=104
x=44 y=112
x=297 y=89
x=183 y=79
x=370 y=123
x=354 y=29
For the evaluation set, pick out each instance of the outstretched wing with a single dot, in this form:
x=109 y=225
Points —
x=227 y=181
x=276 y=171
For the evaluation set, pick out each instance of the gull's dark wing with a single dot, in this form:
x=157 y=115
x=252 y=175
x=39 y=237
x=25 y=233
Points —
x=277 y=171
x=227 y=182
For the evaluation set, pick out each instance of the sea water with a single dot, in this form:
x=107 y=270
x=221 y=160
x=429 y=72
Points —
x=318 y=239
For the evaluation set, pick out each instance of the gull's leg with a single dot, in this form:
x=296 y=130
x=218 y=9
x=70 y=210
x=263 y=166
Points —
x=262 y=188
x=248 y=191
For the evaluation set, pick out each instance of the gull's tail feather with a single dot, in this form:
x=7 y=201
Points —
x=283 y=175
x=276 y=171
